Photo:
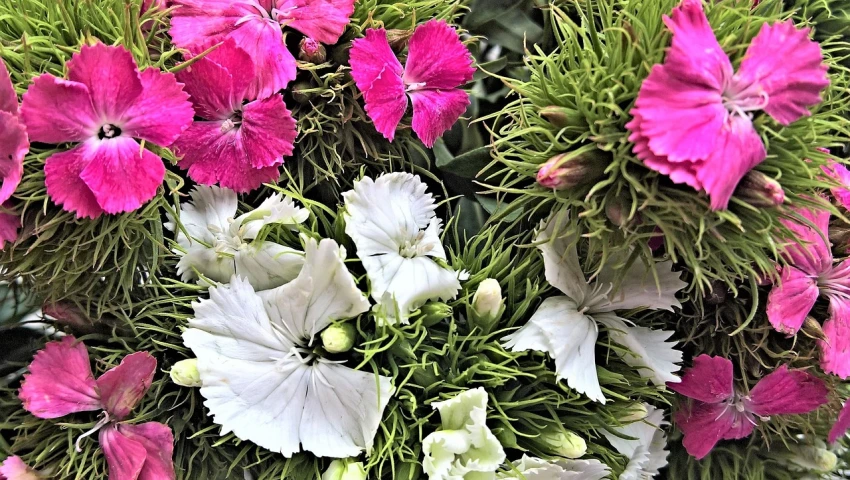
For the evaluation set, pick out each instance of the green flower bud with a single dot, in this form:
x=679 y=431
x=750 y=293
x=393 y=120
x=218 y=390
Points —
x=569 y=170
x=561 y=117
x=564 y=443
x=185 y=373
x=759 y=190
x=344 y=470
x=338 y=338
x=637 y=412
x=809 y=457
x=434 y=312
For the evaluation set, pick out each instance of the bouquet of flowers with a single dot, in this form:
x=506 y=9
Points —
x=424 y=239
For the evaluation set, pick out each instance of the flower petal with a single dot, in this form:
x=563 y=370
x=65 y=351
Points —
x=207 y=262
x=370 y=56
x=648 y=446
x=835 y=350
x=124 y=457
x=709 y=380
x=386 y=102
x=60 y=381
x=435 y=111
x=112 y=77
x=322 y=20
x=788 y=67
x=840 y=173
x=13 y=468
x=638 y=287
x=569 y=337
x=209 y=208
x=121 y=174
x=14 y=146
x=649 y=351
x=9 y=225
x=161 y=113
x=58 y=111
x=158 y=442
x=785 y=392
x=791 y=300
x=705 y=424
x=122 y=387
x=679 y=172
x=532 y=468
x=842 y=424
x=268 y=265
x=276 y=209
x=8 y=96
x=64 y=185
x=560 y=256
x=267 y=132
x=218 y=82
x=437 y=58
x=809 y=248
x=274 y=64
x=204 y=22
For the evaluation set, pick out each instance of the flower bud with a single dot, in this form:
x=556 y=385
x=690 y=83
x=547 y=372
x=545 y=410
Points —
x=487 y=305
x=718 y=293
x=759 y=190
x=562 y=117
x=506 y=437
x=398 y=38
x=185 y=373
x=67 y=313
x=338 y=338
x=312 y=51
x=432 y=313
x=637 y=412
x=812 y=329
x=300 y=92
x=344 y=470
x=564 y=443
x=569 y=170
x=809 y=457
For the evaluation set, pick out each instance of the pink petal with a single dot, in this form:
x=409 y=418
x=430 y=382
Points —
x=709 y=380
x=437 y=58
x=162 y=112
x=218 y=82
x=198 y=22
x=64 y=185
x=9 y=225
x=839 y=172
x=705 y=424
x=787 y=392
x=267 y=132
x=123 y=386
x=124 y=457
x=835 y=350
x=60 y=381
x=275 y=65
x=813 y=254
x=435 y=111
x=213 y=157
x=386 y=103
x=158 y=443
x=679 y=172
x=112 y=77
x=14 y=146
x=323 y=20
x=121 y=174
x=57 y=111
x=785 y=64
x=791 y=300
x=370 y=56
x=8 y=97
x=841 y=425
x=692 y=33
x=13 y=468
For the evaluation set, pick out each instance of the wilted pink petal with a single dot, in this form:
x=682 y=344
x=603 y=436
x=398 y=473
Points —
x=705 y=424
x=835 y=350
x=709 y=380
x=64 y=185
x=14 y=146
x=161 y=112
x=57 y=111
x=841 y=425
x=436 y=58
x=13 y=468
x=9 y=225
x=788 y=68
x=111 y=76
x=791 y=299
x=60 y=381
x=323 y=20
x=786 y=392
x=371 y=57
x=124 y=457
x=386 y=103
x=435 y=111
x=809 y=249
x=158 y=442
x=123 y=386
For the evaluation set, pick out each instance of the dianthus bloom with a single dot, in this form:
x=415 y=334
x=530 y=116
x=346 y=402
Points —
x=693 y=115
x=719 y=412
x=13 y=468
x=14 y=144
x=103 y=107
x=255 y=25
x=437 y=65
x=237 y=146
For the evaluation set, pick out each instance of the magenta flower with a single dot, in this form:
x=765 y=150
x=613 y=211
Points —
x=103 y=107
x=13 y=468
x=719 y=412
x=14 y=143
x=255 y=26
x=437 y=65
x=692 y=119
x=237 y=146
x=61 y=382
x=841 y=425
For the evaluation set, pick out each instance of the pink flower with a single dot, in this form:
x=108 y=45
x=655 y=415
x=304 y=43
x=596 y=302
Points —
x=61 y=382
x=840 y=173
x=842 y=424
x=692 y=119
x=10 y=222
x=719 y=412
x=238 y=146
x=14 y=143
x=13 y=468
x=103 y=107
x=437 y=65
x=255 y=25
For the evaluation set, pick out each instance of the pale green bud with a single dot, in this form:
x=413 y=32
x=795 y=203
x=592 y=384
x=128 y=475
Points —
x=636 y=413
x=185 y=373
x=487 y=305
x=344 y=470
x=338 y=338
x=810 y=457
x=563 y=443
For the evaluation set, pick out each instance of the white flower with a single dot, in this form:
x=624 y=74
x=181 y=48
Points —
x=647 y=454
x=260 y=375
x=219 y=246
x=532 y=468
x=464 y=447
x=566 y=326
x=392 y=222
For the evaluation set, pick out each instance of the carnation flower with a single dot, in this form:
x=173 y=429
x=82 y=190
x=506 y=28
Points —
x=261 y=375
x=720 y=412
x=255 y=26
x=14 y=143
x=647 y=453
x=532 y=468
x=437 y=65
x=13 y=468
x=566 y=326
x=219 y=245
x=464 y=445
x=693 y=115
x=103 y=107
x=392 y=222
x=238 y=146
x=61 y=382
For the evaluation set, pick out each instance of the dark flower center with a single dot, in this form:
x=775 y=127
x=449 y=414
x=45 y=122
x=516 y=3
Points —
x=108 y=131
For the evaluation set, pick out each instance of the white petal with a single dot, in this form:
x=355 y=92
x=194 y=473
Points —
x=343 y=410
x=639 y=288
x=268 y=264
x=324 y=291
x=533 y=468
x=569 y=337
x=209 y=206
x=649 y=350
x=218 y=268
x=646 y=454
x=560 y=257
x=410 y=282
x=275 y=209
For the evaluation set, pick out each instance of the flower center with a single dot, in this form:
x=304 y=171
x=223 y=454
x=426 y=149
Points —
x=233 y=122
x=739 y=99
x=412 y=87
x=100 y=424
x=108 y=131
x=415 y=247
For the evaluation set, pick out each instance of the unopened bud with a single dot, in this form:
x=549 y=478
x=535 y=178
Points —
x=812 y=329
x=759 y=190
x=619 y=213
x=68 y=314
x=568 y=170
x=506 y=437
x=344 y=470
x=810 y=457
x=487 y=305
x=185 y=373
x=718 y=293
x=301 y=93
x=338 y=338
x=637 y=412
x=562 y=117
x=563 y=443
x=432 y=313
x=398 y=38
x=312 y=51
